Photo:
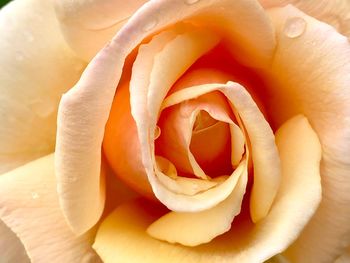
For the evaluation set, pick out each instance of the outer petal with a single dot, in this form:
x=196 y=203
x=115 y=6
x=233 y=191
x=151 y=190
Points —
x=88 y=25
x=319 y=88
x=345 y=257
x=299 y=195
x=85 y=108
x=11 y=248
x=29 y=206
x=335 y=12
x=36 y=68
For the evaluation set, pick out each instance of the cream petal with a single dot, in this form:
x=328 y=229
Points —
x=11 y=247
x=34 y=57
x=237 y=139
x=335 y=13
x=88 y=25
x=100 y=79
x=237 y=144
x=319 y=88
x=30 y=208
x=178 y=126
x=299 y=195
x=192 y=229
x=264 y=152
x=167 y=175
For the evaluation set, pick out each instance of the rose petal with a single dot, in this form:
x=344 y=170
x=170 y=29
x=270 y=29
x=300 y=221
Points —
x=30 y=208
x=11 y=248
x=97 y=86
x=121 y=144
x=124 y=229
x=178 y=141
x=344 y=258
x=34 y=57
x=237 y=144
x=88 y=25
x=335 y=13
x=319 y=88
x=264 y=152
x=167 y=175
x=192 y=229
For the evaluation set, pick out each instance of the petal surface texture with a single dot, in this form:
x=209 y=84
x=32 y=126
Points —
x=34 y=57
x=30 y=208
x=335 y=13
x=299 y=195
x=192 y=229
x=84 y=110
x=12 y=249
x=318 y=88
x=88 y=25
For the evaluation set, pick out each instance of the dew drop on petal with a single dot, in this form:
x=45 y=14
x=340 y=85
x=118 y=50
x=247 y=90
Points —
x=35 y=195
x=191 y=2
x=157 y=132
x=294 y=27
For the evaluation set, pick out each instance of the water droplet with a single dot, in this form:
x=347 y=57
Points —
x=42 y=108
x=35 y=195
x=191 y=2
x=157 y=132
x=150 y=25
x=294 y=27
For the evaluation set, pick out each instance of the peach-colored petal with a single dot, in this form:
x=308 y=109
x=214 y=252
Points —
x=84 y=109
x=237 y=144
x=167 y=175
x=124 y=229
x=30 y=208
x=12 y=249
x=178 y=141
x=319 y=88
x=193 y=229
x=335 y=13
x=34 y=57
x=88 y=25
x=344 y=258
x=264 y=152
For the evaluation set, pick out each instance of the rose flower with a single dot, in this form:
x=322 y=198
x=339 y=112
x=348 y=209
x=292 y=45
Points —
x=187 y=131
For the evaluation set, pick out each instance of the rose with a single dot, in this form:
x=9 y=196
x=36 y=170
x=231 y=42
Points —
x=101 y=67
